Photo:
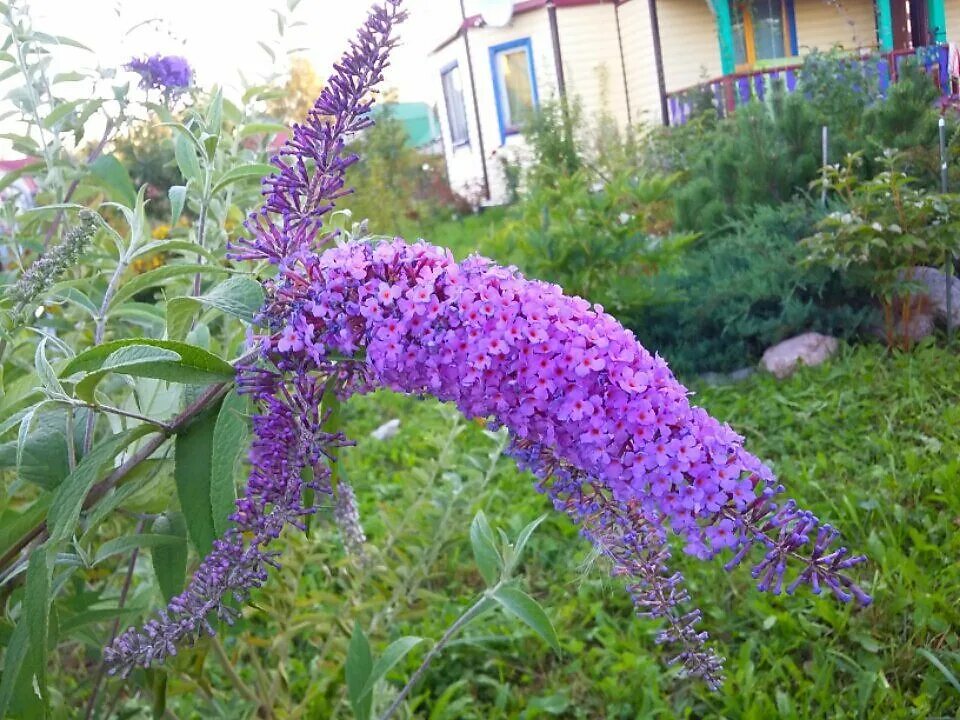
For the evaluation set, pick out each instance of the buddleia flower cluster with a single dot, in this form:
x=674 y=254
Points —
x=171 y=74
x=604 y=426
x=52 y=264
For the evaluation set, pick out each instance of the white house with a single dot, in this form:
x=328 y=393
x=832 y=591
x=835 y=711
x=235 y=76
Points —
x=637 y=59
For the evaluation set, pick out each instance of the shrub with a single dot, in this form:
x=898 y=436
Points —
x=737 y=293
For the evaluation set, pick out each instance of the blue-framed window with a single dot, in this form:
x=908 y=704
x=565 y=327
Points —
x=456 y=109
x=514 y=84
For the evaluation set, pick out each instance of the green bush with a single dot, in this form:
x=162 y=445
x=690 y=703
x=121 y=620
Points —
x=737 y=293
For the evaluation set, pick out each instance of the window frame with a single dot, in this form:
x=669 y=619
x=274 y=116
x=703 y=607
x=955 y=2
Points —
x=444 y=71
x=788 y=17
x=498 y=87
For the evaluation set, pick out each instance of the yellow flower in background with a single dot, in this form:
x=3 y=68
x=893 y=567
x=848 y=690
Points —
x=144 y=264
x=160 y=232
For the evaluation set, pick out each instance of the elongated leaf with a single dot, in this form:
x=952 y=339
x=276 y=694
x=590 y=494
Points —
x=159 y=276
x=44 y=455
x=184 y=247
x=88 y=617
x=11 y=177
x=170 y=561
x=485 y=551
x=121 y=545
x=135 y=360
x=193 y=453
x=229 y=443
x=243 y=172
x=184 y=151
x=68 y=498
x=358 y=668
x=36 y=613
x=48 y=378
x=61 y=111
x=194 y=362
x=178 y=196
x=521 y=543
x=239 y=296
x=525 y=608
x=394 y=653
x=14 y=526
x=113 y=176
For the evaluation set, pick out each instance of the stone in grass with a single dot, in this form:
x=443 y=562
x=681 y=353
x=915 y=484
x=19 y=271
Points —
x=808 y=349
x=934 y=282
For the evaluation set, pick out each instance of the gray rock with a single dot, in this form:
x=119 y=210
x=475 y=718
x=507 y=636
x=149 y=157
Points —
x=935 y=282
x=809 y=349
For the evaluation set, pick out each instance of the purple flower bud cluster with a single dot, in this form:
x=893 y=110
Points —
x=602 y=423
x=291 y=440
x=312 y=163
x=170 y=74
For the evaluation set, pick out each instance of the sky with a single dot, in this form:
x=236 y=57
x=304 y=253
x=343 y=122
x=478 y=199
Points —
x=220 y=37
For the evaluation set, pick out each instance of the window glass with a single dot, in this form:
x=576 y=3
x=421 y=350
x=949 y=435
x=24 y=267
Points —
x=456 y=111
x=516 y=89
x=768 y=29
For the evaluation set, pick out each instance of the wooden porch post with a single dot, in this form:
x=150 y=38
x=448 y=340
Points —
x=884 y=25
x=728 y=60
x=938 y=20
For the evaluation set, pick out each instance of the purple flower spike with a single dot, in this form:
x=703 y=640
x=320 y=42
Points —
x=168 y=73
x=601 y=423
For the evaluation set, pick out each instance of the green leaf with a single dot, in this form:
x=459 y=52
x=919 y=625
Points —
x=938 y=664
x=61 y=111
x=36 y=613
x=485 y=551
x=521 y=543
x=186 y=247
x=149 y=361
x=358 y=668
x=48 y=378
x=178 y=196
x=214 y=117
x=113 y=176
x=184 y=151
x=121 y=545
x=243 y=172
x=43 y=455
x=24 y=662
x=170 y=561
x=229 y=442
x=394 y=653
x=11 y=177
x=14 y=526
x=69 y=496
x=517 y=603
x=240 y=296
x=193 y=453
x=159 y=276
x=13 y=661
x=194 y=365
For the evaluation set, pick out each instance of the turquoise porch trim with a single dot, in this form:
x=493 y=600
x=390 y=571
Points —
x=728 y=60
x=938 y=20
x=884 y=25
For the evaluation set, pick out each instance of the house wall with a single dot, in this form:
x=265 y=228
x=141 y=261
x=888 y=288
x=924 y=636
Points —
x=952 y=8
x=690 y=46
x=464 y=164
x=635 y=27
x=592 y=67
x=821 y=25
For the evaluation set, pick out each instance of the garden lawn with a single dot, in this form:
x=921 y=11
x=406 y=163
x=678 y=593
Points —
x=871 y=442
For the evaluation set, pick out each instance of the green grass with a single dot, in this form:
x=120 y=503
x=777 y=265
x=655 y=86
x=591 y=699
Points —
x=870 y=442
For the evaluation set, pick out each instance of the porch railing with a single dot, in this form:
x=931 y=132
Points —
x=726 y=93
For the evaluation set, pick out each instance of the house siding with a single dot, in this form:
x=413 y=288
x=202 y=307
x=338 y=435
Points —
x=592 y=68
x=822 y=25
x=635 y=27
x=464 y=164
x=688 y=36
x=952 y=8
